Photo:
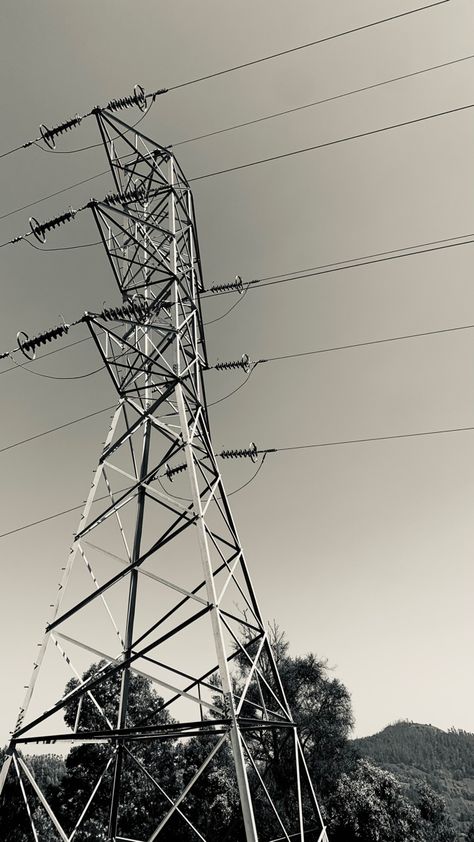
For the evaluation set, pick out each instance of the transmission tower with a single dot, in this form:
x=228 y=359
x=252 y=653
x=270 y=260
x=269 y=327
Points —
x=156 y=584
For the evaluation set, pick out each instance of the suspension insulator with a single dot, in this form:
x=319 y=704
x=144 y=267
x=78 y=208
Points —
x=237 y=285
x=28 y=346
x=250 y=452
x=137 y=98
x=135 y=309
x=243 y=363
x=39 y=228
x=48 y=135
x=171 y=472
x=133 y=194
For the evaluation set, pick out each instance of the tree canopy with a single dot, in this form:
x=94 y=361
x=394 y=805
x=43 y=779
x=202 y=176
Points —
x=361 y=802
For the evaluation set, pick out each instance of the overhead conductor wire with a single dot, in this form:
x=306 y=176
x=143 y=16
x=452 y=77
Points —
x=249 y=123
x=152 y=96
x=263 y=452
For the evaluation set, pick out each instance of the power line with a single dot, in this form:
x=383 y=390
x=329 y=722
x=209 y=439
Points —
x=322 y=269
x=56 y=429
x=296 y=275
x=287 y=52
x=52 y=517
x=322 y=101
x=371 y=439
x=48 y=353
x=314 y=352
x=329 y=143
x=362 y=263
x=405 y=249
x=368 y=343
x=339 y=266
x=78 y=119
x=248 y=123
x=263 y=452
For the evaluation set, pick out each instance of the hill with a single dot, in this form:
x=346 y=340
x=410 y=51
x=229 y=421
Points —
x=421 y=753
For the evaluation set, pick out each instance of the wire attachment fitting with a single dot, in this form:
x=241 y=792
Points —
x=39 y=228
x=48 y=135
x=28 y=346
x=250 y=452
x=237 y=285
x=243 y=363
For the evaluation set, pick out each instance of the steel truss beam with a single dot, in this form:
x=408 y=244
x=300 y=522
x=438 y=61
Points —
x=212 y=656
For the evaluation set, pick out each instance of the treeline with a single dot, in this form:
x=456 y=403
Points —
x=360 y=802
x=423 y=747
x=419 y=754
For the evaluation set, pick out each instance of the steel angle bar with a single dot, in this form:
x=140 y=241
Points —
x=229 y=578
x=243 y=622
x=198 y=681
x=128 y=495
x=160 y=788
x=65 y=579
x=262 y=783
x=298 y=786
x=117 y=660
x=192 y=430
x=5 y=769
x=296 y=836
x=103 y=599
x=42 y=798
x=135 y=734
x=67 y=658
x=119 y=522
x=111 y=214
x=143 y=415
x=209 y=500
x=187 y=788
x=107 y=672
x=85 y=601
x=242 y=592
x=172 y=611
x=170 y=534
x=244 y=692
x=262 y=678
x=25 y=799
x=91 y=798
x=311 y=788
x=122 y=129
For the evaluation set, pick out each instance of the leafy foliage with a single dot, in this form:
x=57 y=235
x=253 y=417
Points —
x=363 y=802
x=422 y=755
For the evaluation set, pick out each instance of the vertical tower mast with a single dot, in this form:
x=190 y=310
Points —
x=195 y=630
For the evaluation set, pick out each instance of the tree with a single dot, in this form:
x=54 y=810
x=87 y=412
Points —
x=142 y=801
x=368 y=805
x=470 y=833
x=436 y=823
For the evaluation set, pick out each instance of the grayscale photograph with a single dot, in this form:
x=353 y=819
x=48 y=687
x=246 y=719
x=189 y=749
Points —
x=237 y=421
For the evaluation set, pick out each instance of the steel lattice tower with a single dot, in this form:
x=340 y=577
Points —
x=143 y=551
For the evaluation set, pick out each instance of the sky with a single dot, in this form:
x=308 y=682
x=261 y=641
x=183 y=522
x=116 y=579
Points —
x=363 y=552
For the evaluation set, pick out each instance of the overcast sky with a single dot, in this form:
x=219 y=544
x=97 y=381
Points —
x=361 y=552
